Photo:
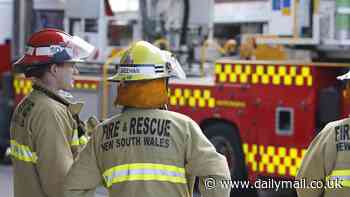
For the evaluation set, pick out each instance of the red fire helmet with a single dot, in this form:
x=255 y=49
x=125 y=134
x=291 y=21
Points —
x=52 y=46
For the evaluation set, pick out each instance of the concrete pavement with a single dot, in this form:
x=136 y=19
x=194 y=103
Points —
x=6 y=187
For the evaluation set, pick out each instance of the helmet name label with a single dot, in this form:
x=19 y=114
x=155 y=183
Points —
x=141 y=69
x=129 y=70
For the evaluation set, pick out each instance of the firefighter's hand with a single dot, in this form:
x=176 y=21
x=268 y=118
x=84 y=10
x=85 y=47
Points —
x=75 y=108
x=91 y=123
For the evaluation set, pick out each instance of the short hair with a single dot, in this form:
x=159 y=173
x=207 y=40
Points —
x=37 y=71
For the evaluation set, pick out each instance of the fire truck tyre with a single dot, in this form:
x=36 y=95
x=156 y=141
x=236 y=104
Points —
x=226 y=140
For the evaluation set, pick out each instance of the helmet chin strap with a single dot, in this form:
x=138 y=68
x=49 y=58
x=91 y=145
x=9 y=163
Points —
x=165 y=106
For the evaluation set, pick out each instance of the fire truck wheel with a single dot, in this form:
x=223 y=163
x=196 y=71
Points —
x=227 y=141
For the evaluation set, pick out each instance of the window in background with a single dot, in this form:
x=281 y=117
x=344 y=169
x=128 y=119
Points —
x=47 y=18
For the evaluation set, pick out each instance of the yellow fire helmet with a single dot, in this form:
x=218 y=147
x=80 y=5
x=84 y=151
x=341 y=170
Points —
x=142 y=72
x=144 y=61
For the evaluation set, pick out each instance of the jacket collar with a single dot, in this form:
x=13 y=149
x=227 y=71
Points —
x=74 y=107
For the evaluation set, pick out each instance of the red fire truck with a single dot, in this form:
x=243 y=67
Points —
x=263 y=115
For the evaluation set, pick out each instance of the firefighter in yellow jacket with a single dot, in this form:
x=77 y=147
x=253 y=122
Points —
x=45 y=127
x=147 y=150
x=326 y=165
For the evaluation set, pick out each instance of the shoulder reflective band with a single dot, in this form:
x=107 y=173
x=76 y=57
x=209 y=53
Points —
x=22 y=152
x=144 y=172
x=76 y=141
x=342 y=175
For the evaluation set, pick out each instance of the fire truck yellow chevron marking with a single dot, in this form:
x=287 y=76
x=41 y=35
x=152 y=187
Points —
x=94 y=86
x=191 y=97
x=85 y=86
x=264 y=74
x=250 y=156
x=78 y=85
x=273 y=160
x=23 y=86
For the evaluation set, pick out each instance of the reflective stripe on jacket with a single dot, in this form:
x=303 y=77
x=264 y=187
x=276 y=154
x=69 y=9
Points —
x=144 y=172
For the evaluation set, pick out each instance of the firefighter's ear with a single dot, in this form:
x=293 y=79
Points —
x=53 y=69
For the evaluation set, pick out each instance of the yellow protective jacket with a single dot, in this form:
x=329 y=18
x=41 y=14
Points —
x=44 y=143
x=147 y=152
x=327 y=160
